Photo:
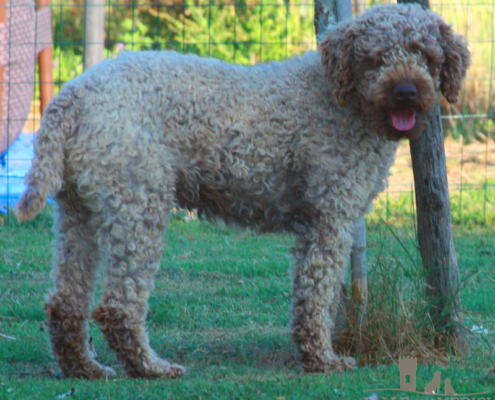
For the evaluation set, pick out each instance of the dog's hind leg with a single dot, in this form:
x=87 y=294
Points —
x=319 y=270
x=68 y=307
x=132 y=239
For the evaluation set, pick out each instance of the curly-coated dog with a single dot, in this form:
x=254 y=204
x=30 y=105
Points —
x=302 y=146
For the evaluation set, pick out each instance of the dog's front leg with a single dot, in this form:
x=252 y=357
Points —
x=321 y=255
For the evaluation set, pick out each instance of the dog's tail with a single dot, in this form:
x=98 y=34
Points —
x=47 y=169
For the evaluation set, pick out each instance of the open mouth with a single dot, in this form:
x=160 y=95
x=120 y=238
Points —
x=402 y=120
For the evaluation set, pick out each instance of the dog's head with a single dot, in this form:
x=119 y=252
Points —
x=391 y=63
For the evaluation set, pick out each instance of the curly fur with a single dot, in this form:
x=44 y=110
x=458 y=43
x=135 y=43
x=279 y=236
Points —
x=302 y=146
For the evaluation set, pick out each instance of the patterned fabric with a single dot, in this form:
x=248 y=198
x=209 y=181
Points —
x=25 y=33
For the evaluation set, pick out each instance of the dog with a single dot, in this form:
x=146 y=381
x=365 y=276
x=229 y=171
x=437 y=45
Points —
x=302 y=146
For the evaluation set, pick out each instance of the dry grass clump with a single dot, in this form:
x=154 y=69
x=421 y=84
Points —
x=396 y=321
x=387 y=334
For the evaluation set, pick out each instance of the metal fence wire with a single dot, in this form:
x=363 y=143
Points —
x=248 y=32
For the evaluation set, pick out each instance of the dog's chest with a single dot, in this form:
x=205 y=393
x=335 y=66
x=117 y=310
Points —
x=267 y=193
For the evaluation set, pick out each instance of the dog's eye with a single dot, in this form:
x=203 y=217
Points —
x=370 y=63
x=434 y=56
x=378 y=62
x=434 y=67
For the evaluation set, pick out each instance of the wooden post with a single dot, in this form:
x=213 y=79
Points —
x=359 y=272
x=3 y=20
x=327 y=13
x=359 y=6
x=94 y=32
x=435 y=230
x=45 y=64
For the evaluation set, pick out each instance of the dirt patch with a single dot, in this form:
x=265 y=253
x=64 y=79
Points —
x=468 y=166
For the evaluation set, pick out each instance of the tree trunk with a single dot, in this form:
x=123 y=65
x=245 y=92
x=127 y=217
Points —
x=435 y=236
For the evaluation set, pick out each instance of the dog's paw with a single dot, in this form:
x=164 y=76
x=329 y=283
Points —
x=329 y=365
x=91 y=370
x=107 y=372
x=157 y=369
x=176 y=371
x=165 y=370
x=348 y=363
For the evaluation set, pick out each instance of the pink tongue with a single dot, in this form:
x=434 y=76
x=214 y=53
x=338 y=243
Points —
x=402 y=120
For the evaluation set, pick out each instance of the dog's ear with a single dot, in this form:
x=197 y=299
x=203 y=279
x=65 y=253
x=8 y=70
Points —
x=457 y=61
x=337 y=57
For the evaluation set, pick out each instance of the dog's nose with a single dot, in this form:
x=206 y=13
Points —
x=405 y=93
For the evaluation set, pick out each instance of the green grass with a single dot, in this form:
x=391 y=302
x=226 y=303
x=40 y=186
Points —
x=470 y=205
x=221 y=307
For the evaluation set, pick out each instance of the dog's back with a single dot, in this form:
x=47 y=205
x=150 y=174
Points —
x=236 y=140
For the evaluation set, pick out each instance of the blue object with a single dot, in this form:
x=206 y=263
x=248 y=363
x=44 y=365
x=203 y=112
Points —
x=14 y=165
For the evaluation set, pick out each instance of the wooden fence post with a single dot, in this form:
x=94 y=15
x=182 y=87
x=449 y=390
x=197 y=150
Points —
x=435 y=230
x=45 y=67
x=3 y=20
x=94 y=32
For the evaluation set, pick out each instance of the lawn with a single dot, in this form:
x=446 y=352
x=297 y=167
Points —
x=221 y=307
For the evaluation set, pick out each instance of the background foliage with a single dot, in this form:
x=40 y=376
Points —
x=244 y=32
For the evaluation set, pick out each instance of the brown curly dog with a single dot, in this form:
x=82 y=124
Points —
x=302 y=146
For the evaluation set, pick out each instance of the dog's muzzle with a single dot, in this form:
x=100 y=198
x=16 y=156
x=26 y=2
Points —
x=403 y=117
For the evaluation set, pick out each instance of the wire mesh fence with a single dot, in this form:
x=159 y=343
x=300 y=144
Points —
x=248 y=32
